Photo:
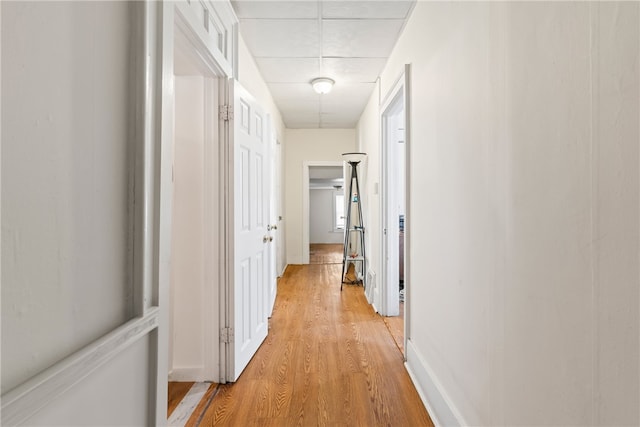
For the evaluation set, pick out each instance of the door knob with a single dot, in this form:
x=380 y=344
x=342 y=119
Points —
x=271 y=238
x=265 y=239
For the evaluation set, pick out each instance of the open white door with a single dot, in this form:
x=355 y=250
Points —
x=248 y=320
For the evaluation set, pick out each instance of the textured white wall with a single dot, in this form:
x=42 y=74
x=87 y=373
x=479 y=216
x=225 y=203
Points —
x=65 y=180
x=307 y=145
x=524 y=282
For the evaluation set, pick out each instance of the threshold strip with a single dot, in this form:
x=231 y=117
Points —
x=188 y=404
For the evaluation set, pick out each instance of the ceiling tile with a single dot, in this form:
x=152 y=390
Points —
x=301 y=121
x=338 y=123
x=350 y=70
x=299 y=93
x=346 y=93
x=365 y=38
x=281 y=38
x=366 y=9
x=275 y=9
x=288 y=70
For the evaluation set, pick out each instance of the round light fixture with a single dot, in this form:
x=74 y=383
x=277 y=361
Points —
x=354 y=158
x=322 y=85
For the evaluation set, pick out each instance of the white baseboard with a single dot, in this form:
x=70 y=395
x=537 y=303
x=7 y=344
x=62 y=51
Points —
x=295 y=260
x=283 y=270
x=440 y=407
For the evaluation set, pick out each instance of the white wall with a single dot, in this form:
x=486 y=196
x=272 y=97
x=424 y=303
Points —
x=523 y=219
x=65 y=182
x=105 y=397
x=187 y=268
x=68 y=285
x=251 y=79
x=321 y=207
x=307 y=145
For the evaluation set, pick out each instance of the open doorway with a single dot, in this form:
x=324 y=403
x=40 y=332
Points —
x=326 y=214
x=194 y=302
x=393 y=295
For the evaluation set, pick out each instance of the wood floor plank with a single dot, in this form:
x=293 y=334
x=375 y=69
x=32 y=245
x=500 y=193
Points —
x=325 y=253
x=395 y=324
x=329 y=360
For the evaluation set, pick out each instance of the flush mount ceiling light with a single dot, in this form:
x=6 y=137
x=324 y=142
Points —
x=322 y=85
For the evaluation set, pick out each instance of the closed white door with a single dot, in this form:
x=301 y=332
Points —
x=248 y=305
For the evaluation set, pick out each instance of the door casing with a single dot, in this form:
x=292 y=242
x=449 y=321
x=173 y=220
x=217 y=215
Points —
x=397 y=99
x=305 y=203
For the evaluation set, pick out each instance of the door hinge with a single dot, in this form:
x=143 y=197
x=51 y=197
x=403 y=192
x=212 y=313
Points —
x=226 y=335
x=226 y=112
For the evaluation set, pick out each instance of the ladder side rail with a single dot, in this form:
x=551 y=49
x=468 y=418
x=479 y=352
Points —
x=362 y=248
x=347 y=233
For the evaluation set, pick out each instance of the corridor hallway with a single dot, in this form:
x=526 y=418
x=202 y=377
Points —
x=328 y=360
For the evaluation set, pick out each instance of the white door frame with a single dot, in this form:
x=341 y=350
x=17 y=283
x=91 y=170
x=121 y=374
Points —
x=305 y=202
x=178 y=33
x=281 y=241
x=274 y=203
x=388 y=297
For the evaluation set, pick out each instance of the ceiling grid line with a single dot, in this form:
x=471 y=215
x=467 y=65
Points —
x=320 y=61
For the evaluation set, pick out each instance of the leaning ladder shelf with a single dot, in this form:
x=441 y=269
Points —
x=354 y=234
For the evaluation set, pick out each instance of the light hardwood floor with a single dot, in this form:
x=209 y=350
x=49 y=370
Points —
x=328 y=360
x=395 y=325
x=325 y=253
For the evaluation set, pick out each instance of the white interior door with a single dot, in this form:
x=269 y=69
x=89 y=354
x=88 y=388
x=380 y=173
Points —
x=248 y=305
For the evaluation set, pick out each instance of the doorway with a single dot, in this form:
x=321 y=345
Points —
x=194 y=302
x=327 y=171
x=394 y=203
x=326 y=214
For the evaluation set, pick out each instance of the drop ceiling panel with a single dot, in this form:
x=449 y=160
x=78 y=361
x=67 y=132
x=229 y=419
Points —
x=281 y=38
x=366 y=9
x=338 y=123
x=360 y=38
x=288 y=70
x=276 y=9
x=294 y=92
x=353 y=70
x=351 y=112
x=301 y=116
x=348 y=92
